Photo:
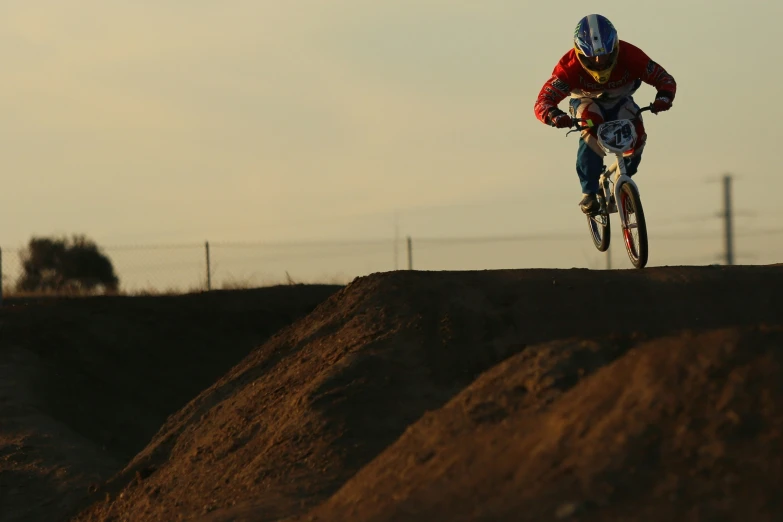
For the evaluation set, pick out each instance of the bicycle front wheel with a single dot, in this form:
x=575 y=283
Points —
x=635 y=230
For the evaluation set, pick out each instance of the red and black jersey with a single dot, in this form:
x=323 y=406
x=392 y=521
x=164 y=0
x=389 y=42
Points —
x=569 y=78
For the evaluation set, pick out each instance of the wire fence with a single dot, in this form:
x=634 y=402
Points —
x=215 y=265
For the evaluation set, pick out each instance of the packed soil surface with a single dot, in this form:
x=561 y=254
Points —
x=491 y=395
x=686 y=427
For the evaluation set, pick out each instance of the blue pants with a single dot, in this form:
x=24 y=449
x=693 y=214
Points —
x=589 y=163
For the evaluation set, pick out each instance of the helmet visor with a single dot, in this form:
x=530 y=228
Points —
x=599 y=63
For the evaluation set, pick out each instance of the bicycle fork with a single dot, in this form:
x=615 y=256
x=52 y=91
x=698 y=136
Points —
x=619 y=179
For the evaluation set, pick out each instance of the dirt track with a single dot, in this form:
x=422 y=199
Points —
x=495 y=395
x=680 y=428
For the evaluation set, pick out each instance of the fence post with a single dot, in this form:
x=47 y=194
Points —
x=209 y=271
x=410 y=253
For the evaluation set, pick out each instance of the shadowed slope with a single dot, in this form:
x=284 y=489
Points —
x=86 y=382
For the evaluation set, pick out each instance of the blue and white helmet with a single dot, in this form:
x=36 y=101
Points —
x=596 y=45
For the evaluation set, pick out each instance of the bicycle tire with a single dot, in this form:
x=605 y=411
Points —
x=630 y=205
x=600 y=234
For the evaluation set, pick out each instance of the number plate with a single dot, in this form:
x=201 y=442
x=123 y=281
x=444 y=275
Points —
x=617 y=136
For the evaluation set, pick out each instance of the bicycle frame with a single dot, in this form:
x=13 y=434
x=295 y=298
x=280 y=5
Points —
x=615 y=137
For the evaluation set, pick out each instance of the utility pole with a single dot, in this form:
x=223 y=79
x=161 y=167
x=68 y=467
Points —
x=209 y=268
x=727 y=218
x=396 y=239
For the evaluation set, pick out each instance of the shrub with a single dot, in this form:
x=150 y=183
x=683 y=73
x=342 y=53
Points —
x=65 y=265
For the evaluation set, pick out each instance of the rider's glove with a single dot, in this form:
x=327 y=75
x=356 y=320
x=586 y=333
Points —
x=663 y=102
x=560 y=119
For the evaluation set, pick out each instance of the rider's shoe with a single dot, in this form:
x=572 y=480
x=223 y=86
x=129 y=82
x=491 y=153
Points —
x=589 y=204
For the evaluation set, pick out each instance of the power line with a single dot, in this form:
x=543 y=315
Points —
x=502 y=238
x=364 y=243
x=757 y=233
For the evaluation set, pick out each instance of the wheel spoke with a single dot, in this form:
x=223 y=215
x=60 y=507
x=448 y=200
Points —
x=599 y=230
x=630 y=242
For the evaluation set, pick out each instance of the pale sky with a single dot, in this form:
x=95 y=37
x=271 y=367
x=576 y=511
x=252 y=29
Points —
x=180 y=121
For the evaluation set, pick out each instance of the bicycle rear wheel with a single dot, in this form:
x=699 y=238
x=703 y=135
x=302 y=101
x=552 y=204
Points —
x=600 y=229
x=635 y=233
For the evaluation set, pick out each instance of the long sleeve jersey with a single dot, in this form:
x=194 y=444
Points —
x=569 y=78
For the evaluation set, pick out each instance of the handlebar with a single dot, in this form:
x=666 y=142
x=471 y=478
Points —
x=589 y=123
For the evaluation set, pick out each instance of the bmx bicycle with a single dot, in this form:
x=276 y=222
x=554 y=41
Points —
x=617 y=192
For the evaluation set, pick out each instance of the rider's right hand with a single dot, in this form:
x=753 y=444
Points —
x=562 y=121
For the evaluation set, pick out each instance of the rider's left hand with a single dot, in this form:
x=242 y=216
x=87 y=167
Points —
x=661 y=103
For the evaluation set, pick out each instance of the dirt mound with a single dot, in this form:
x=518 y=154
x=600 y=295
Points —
x=86 y=383
x=283 y=430
x=681 y=428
